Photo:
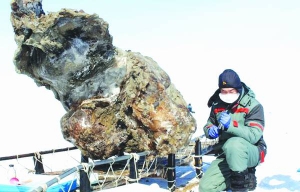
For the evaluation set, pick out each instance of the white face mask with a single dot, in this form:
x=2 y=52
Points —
x=229 y=97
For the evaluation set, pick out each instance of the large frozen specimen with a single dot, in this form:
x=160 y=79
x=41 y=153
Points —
x=116 y=101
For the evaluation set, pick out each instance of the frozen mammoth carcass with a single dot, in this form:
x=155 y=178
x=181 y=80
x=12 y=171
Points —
x=116 y=101
x=146 y=113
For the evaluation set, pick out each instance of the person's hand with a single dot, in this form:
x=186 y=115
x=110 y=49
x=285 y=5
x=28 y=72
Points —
x=213 y=132
x=225 y=120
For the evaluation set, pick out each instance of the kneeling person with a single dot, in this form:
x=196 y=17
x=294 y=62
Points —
x=237 y=120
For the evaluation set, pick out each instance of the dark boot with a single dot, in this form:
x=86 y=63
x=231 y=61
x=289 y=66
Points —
x=252 y=179
x=239 y=181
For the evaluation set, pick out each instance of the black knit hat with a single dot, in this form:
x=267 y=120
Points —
x=230 y=79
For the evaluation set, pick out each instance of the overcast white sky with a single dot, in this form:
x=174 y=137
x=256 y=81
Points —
x=192 y=40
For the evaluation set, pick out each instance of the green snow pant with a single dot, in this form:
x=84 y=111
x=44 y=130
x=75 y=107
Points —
x=238 y=155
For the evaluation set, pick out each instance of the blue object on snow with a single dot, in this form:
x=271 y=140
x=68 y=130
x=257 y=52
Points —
x=298 y=170
x=61 y=187
x=285 y=182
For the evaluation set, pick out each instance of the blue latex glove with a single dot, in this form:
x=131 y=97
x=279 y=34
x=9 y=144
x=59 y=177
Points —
x=225 y=120
x=213 y=132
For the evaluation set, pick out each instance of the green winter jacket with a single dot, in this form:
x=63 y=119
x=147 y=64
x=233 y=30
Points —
x=247 y=120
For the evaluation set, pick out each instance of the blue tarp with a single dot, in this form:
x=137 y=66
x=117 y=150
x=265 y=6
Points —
x=61 y=187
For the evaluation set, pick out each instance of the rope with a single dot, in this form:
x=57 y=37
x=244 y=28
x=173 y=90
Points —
x=51 y=163
x=127 y=178
x=170 y=168
x=37 y=154
x=197 y=156
x=38 y=157
x=92 y=172
x=131 y=179
x=198 y=175
x=198 y=167
x=113 y=158
x=135 y=156
x=143 y=167
x=149 y=167
x=71 y=185
x=117 y=174
x=93 y=165
x=29 y=170
x=171 y=181
x=72 y=156
x=126 y=165
x=108 y=171
x=85 y=167
x=172 y=187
